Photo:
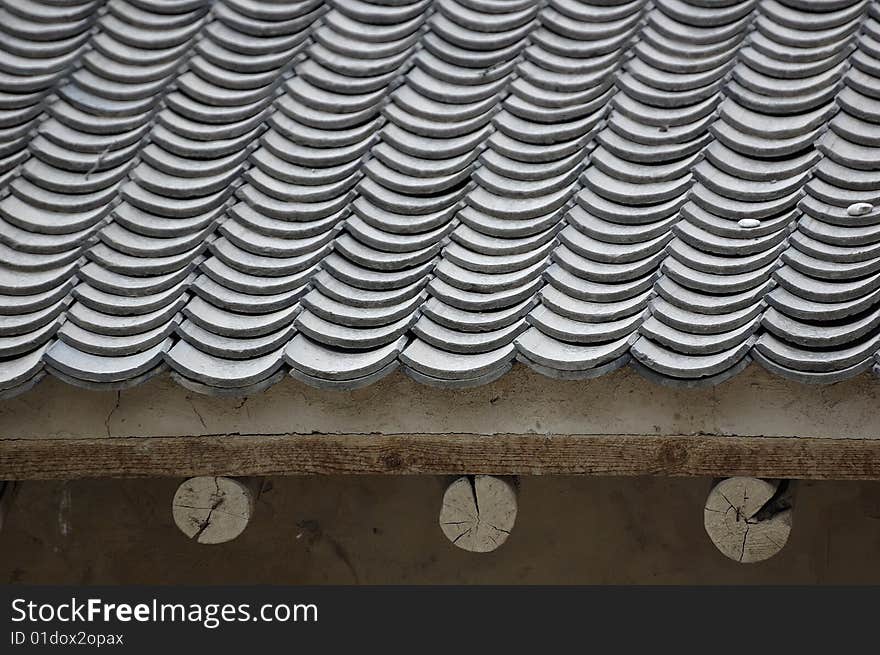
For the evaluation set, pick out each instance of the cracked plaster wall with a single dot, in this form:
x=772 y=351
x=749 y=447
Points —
x=752 y=404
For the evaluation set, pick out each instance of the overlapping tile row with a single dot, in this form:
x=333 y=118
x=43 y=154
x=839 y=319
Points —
x=488 y=276
x=139 y=274
x=239 y=190
x=39 y=43
x=822 y=321
x=177 y=197
x=372 y=288
x=600 y=284
x=295 y=195
x=63 y=194
x=736 y=223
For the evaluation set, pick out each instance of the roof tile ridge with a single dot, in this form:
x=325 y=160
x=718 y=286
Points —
x=50 y=95
x=287 y=106
x=642 y=361
x=501 y=94
x=370 y=158
x=770 y=329
x=627 y=87
x=49 y=104
x=626 y=54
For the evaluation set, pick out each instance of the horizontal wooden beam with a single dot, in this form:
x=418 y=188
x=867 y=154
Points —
x=499 y=454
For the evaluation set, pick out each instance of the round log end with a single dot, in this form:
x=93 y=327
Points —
x=213 y=510
x=478 y=512
x=748 y=519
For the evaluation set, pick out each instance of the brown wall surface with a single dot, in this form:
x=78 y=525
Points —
x=315 y=530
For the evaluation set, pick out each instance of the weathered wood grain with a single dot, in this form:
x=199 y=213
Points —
x=749 y=519
x=478 y=512
x=214 y=509
x=453 y=454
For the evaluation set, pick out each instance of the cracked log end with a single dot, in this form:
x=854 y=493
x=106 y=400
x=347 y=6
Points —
x=213 y=510
x=748 y=519
x=478 y=512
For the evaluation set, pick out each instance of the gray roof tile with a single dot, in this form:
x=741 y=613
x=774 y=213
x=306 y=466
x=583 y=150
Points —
x=100 y=368
x=221 y=372
x=107 y=345
x=444 y=365
x=243 y=189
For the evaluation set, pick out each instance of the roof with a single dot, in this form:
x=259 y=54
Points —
x=241 y=190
